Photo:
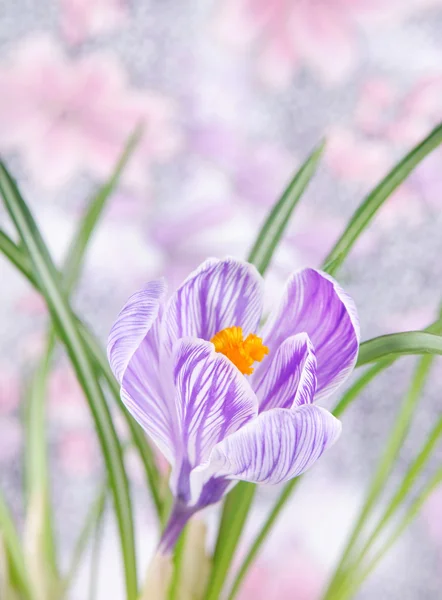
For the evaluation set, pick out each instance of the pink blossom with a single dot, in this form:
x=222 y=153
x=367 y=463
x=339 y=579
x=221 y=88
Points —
x=67 y=116
x=9 y=388
x=293 y=576
x=288 y=34
x=81 y=19
x=387 y=124
x=78 y=452
x=11 y=437
x=66 y=400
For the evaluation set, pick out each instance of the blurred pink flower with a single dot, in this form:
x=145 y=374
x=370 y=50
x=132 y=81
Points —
x=81 y=19
x=387 y=124
x=288 y=577
x=11 y=437
x=9 y=388
x=320 y=35
x=66 y=400
x=67 y=116
x=78 y=453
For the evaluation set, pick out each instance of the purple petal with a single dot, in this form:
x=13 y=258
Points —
x=213 y=400
x=134 y=321
x=219 y=294
x=290 y=379
x=147 y=392
x=277 y=446
x=315 y=304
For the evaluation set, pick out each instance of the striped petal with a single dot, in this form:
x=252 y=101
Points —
x=219 y=294
x=290 y=378
x=134 y=321
x=213 y=400
x=277 y=446
x=147 y=392
x=315 y=304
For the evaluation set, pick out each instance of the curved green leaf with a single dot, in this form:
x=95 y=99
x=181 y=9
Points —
x=277 y=221
x=394 y=344
x=373 y=202
x=67 y=327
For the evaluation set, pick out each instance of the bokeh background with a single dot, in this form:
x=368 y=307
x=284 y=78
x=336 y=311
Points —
x=233 y=95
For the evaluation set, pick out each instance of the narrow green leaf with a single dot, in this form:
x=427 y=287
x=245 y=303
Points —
x=12 y=545
x=277 y=221
x=67 y=326
x=80 y=242
x=382 y=473
x=350 y=586
x=353 y=391
x=409 y=342
x=37 y=483
x=373 y=202
x=95 y=554
x=405 y=487
x=16 y=256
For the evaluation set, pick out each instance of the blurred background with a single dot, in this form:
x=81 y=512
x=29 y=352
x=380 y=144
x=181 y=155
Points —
x=233 y=95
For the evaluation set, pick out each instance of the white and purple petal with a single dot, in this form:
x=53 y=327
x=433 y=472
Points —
x=315 y=304
x=219 y=294
x=289 y=379
x=147 y=392
x=213 y=400
x=132 y=324
x=277 y=446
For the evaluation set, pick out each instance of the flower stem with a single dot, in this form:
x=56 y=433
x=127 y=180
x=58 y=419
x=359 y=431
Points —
x=178 y=518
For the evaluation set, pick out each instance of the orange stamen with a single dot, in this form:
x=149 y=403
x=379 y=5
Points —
x=243 y=353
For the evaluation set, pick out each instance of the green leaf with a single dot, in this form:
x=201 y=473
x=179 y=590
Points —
x=350 y=586
x=96 y=547
x=409 y=342
x=12 y=545
x=383 y=471
x=68 y=330
x=278 y=219
x=80 y=242
x=35 y=450
x=354 y=390
x=16 y=256
x=373 y=202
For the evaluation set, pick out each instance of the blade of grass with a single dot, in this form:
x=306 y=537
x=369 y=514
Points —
x=405 y=487
x=95 y=554
x=17 y=257
x=12 y=545
x=277 y=221
x=373 y=202
x=384 y=469
x=408 y=342
x=351 y=587
x=68 y=329
x=37 y=483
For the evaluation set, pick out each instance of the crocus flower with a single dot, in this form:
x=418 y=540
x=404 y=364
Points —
x=223 y=399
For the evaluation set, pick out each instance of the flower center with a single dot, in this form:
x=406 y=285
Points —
x=243 y=353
